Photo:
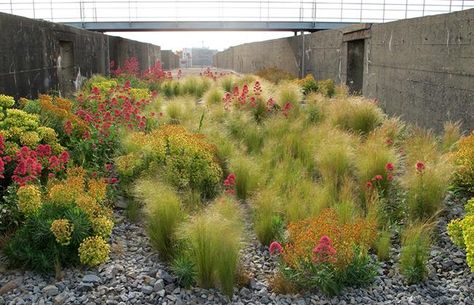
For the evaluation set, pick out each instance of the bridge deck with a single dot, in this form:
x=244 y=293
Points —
x=145 y=26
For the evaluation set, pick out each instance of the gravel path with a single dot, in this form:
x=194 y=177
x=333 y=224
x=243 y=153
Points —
x=134 y=275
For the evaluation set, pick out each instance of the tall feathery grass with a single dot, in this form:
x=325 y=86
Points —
x=163 y=214
x=213 y=240
x=415 y=251
x=356 y=114
x=451 y=136
x=268 y=222
x=247 y=176
x=213 y=96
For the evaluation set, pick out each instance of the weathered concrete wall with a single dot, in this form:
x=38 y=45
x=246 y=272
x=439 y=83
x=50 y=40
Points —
x=421 y=69
x=252 y=57
x=169 y=60
x=121 y=49
x=40 y=57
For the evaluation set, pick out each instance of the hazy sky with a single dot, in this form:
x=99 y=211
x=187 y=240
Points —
x=224 y=10
x=213 y=40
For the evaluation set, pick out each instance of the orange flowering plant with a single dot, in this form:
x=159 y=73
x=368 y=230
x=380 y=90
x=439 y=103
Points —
x=324 y=253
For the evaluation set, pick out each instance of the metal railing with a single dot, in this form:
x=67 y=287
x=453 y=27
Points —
x=230 y=10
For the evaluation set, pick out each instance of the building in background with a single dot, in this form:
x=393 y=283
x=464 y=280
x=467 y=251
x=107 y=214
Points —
x=196 y=57
x=170 y=60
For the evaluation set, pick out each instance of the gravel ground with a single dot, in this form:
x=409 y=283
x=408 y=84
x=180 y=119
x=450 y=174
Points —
x=135 y=275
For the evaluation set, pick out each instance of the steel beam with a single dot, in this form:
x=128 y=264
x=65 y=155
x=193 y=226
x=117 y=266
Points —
x=146 y=26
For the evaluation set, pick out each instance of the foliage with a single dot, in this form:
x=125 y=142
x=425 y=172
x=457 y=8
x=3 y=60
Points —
x=213 y=241
x=275 y=75
x=356 y=114
x=415 y=250
x=308 y=84
x=464 y=163
x=184 y=269
x=268 y=222
x=461 y=232
x=163 y=215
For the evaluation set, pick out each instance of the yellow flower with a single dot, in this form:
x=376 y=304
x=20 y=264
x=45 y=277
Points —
x=94 y=251
x=47 y=134
x=98 y=189
x=61 y=194
x=102 y=226
x=62 y=230
x=6 y=101
x=29 y=138
x=88 y=204
x=127 y=164
x=29 y=199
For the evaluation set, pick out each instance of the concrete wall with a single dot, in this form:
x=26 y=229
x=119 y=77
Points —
x=169 y=60
x=421 y=69
x=252 y=57
x=40 y=57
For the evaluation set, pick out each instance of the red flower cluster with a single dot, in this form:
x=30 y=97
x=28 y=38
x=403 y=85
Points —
x=420 y=167
x=324 y=252
x=378 y=180
x=229 y=184
x=275 y=247
x=286 y=109
x=131 y=67
x=257 y=89
x=31 y=164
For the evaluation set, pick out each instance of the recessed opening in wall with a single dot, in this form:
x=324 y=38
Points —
x=355 y=65
x=66 y=67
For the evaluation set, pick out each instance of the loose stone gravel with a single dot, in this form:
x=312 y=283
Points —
x=135 y=275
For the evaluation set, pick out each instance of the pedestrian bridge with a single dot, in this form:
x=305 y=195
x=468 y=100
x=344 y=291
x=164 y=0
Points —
x=225 y=15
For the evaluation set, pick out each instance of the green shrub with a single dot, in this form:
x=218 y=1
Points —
x=327 y=87
x=275 y=75
x=464 y=163
x=461 y=232
x=163 y=215
x=415 y=251
x=35 y=246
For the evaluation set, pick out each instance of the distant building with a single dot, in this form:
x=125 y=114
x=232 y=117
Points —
x=169 y=59
x=197 y=57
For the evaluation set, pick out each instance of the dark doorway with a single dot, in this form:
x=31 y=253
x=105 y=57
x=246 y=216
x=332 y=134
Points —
x=355 y=65
x=66 y=68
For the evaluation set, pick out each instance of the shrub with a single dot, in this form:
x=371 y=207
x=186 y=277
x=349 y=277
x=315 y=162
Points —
x=464 y=163
x=213 y=240
x=58 y=224
x=308 y=84
x=275 y=75
x=415 y=250
x=268 y=222
x=323 y=254
x=426 y=186
x=326 y=87
x=461 y=232
x=163 y=215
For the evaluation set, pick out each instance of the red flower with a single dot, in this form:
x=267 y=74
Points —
x=378 y=177
x=64 y=157
x=389 y=166
x=324 y=252
x=2 y=168
x=43 y=150
x=275 y=247
x=68 y=127
x=420 y=166
x=369 y=185
x=389 y=177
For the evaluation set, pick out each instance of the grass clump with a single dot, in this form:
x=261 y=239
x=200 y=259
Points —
x=213 y=96
x=275 y=75
x=246 y=176
x=356 y=114
x=213 y=240
x=416 y=242
x=163 y=214
x=383 y=245
x=268 y=221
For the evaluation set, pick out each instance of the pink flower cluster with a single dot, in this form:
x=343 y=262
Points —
x=229 y=184
x=30 y=164
x=324 y=252
x=275 y=247
x=378 y=179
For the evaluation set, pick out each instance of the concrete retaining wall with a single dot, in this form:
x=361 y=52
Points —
x=40 y=57
x=169 y=60
x=421 y=69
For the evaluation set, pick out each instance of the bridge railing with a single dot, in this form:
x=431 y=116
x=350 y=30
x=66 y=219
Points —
x=230 y=10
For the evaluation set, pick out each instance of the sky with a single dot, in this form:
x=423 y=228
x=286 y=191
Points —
x=224 y=10
x=213 y=40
